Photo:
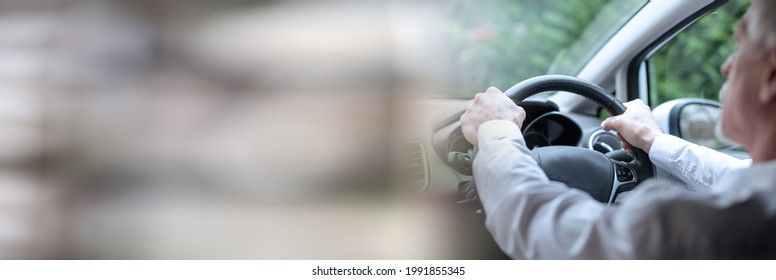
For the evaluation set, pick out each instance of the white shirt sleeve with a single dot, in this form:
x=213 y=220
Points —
x=530 y=216
x=698 y=166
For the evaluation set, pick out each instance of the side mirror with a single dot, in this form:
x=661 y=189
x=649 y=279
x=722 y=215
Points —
x=691 y=119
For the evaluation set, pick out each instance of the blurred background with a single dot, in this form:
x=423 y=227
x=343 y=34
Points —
x=215 y=129
x=195 y=129
x=156 y=129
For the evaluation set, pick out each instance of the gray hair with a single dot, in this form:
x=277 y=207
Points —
x=762 y=24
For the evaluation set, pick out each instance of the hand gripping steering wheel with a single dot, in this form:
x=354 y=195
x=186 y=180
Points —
x=593 y=172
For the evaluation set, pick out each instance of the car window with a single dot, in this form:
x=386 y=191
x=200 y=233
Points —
x=501 y=42
x=688 y=65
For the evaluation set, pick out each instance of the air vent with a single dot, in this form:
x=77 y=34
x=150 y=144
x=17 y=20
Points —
x=604 y=141
x=414 y=168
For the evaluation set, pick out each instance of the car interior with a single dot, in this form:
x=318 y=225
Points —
x=233 y=129
x=564 y=113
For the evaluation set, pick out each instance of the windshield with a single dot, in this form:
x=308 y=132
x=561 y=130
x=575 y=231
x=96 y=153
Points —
x=501 y=42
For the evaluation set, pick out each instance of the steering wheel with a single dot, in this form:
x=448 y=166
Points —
x=591 y=171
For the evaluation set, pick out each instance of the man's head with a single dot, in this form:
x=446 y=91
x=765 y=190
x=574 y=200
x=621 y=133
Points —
x=749 y=95
x=762 y=27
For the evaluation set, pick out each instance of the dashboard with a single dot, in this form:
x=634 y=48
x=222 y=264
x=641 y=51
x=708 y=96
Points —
x=544 y=126
x=551 y=129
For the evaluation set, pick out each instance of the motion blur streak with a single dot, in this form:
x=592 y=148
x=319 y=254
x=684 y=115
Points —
x=209 y=129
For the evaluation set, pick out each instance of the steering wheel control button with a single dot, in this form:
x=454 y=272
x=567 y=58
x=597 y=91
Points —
x=624 y=173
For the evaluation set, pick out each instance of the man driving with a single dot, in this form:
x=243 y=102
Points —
x=530 y=216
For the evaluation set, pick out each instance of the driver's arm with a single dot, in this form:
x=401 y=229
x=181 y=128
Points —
x=532 y=217
x=698 y=166
x=528 y=215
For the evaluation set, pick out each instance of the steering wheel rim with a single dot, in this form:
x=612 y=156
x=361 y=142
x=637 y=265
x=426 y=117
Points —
x=591 y=91
x=554 y=159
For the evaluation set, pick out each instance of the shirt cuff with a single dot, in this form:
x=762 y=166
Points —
x=496 y=130
x=664 y=149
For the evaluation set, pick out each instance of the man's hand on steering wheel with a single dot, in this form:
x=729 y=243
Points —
x=601 y=176
x=490 y=105
x=636 y=126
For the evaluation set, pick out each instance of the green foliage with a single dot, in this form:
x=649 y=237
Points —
x=688 y=65
x=499 y=43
